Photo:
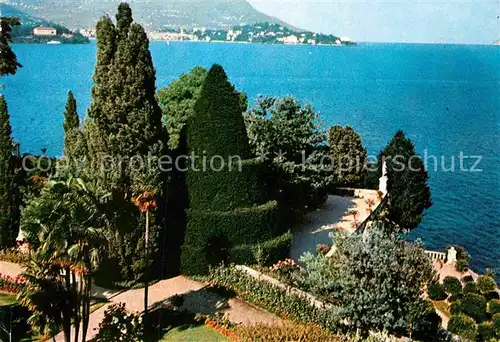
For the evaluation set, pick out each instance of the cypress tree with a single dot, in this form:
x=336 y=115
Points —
x=123 y=126
x=74 y=145
x=409 y=193
x=227 y=203
x=8 y=59
x=8 y=186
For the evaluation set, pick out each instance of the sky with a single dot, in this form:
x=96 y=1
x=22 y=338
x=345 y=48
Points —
x=413 y=21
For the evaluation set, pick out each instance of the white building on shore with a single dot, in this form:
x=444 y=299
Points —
x=45 y=31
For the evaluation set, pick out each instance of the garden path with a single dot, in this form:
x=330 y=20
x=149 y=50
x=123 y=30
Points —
x=333 y=215
x=236 y=310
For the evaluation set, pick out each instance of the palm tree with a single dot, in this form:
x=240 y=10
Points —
x=65 y=226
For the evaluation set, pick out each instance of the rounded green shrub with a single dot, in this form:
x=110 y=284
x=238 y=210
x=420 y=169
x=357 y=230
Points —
x=486 y=284
x=452 y=285
x=463 y=326
x=470 y=288
x=496 y=324
x=455 y=308
x=494 y=306
x=474 y=305
x=455 y=297
x=436 y=291
x=485 y=331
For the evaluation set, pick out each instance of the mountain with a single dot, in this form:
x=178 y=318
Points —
x=153 y=14
x=24 y=32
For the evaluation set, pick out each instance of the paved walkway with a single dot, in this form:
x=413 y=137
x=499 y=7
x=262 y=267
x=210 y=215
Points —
x=236 y=310
x=333 y=215
x=10 y=269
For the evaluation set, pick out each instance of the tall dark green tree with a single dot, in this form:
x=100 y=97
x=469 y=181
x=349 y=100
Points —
x=8 y=59
x=9 y=206
x=227 y=202
x=74 y=147
x=409 y=193
x=348 y=155
x=124 y=133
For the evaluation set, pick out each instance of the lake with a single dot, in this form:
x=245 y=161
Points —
x=445 y=97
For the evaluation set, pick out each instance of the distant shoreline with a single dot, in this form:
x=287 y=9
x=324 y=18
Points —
x=254 y=43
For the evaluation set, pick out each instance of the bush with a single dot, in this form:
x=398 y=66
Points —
x=455 y=308
x=486 y=284
x=492 y=295
x=18 y=316
x=263 y=253
x=119 y=325
x=270 y=297
x=485 y=331
x=463 y=326
x=436 y=291
x=494 y=306
x=496 y=324
x=284 y=332
x=462 y=265
x=13 y=255
x=452 y=285
x=474 y=305
x=470 y=288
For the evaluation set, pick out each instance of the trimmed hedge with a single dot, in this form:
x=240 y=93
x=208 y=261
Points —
x=452 y=285
x=210 y=235
x=474 y=305
x=235 y=185
x=225 y=199
x=274 y=299
x=242 y=225
x=486 y=284
x=463 y=326
x=436 y=291
x=269 y=251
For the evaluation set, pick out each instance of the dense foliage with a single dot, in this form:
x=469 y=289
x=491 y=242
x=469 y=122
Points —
x=65 y=225
x=348 y=155
x=377 y=278
x=409 y=194
x=8 y=59
x=463 y=326
x=436 y=291
x=124 y=135
x=288 y=136
x=74 y=143
x=452 y=285
x=225 y=196
x=10 y=197
x=120 y=325
x=275 y=299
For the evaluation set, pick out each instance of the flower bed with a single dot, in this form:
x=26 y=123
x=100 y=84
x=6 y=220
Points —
x=10 y=284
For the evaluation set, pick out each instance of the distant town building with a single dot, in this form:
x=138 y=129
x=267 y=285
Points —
x=89 y=32
x=45 y=31
x=290 y=40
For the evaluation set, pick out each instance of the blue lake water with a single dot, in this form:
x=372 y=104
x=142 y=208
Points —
x=445 y=97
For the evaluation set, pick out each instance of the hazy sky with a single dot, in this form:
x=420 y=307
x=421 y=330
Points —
x=434 y=21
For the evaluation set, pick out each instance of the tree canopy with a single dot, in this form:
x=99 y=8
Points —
x=376 y=278
x=288 y=136
x=8 y=59
x=409 y=193
x=348 y=155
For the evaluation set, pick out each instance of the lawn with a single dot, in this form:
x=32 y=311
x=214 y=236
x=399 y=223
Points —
x=7 y=299
x=200 y=333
